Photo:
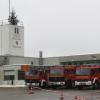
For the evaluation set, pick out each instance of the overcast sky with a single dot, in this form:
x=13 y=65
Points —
x=58 y=27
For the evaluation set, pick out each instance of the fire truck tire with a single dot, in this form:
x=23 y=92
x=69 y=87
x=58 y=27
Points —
x=39 y=84
x=68 y=84
x=44 y=85
x=96 y=85
x=80 y=87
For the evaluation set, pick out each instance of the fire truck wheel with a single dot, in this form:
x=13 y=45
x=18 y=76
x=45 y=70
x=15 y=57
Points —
x=39 y=84
x=68 y=84
x=80 y=87
x=96 y=85
x=44 y=85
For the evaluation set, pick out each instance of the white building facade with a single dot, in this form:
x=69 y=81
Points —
x=11 y=40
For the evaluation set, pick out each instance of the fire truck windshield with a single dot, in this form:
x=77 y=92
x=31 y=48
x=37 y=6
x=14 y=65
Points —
x=83 y=71
x=32 y=72
x=56 y=71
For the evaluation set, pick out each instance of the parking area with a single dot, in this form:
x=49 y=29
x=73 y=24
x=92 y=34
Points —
x=48 y=94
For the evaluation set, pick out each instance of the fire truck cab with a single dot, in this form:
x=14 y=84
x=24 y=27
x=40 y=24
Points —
x=87 y=76
x=53 y=77
x=56 y=76
x=33 y=75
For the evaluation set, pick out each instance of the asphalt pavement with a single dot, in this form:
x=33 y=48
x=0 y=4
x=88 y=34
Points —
x=47 y=94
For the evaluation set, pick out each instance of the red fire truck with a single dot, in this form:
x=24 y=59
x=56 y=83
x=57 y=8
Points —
x=69 y=76
x=87 y=76
x=55 y=76
x=35 y=74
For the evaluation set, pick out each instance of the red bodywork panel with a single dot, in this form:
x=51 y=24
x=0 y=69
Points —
x=70 y=72
x=91 y=76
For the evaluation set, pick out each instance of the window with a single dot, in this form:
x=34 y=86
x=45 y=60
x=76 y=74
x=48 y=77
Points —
x=15 y=30
x=83 y=71
x=21 y=75
x=9 y=77
x=56 y=71
x=70 y=71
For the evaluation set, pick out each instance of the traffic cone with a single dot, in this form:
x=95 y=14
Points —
x=31 y=91
x=78 y=98
x=62 y=96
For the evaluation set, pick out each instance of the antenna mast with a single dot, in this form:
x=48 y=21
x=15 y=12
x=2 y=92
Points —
x=12 y=17
x=9 y=8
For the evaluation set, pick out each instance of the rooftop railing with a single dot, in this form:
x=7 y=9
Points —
x=5 y=22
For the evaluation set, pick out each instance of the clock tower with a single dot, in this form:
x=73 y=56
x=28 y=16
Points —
x=12 y=37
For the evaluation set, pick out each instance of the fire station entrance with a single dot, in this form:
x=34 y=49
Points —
x=9 y=76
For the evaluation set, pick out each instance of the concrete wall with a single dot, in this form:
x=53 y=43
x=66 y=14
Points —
x=4 y=39
x=22 y=60
x=51 y=61
x=80 y=57
x=9 y=60
x=1 y=77
x=13 y=68
x=4 y=60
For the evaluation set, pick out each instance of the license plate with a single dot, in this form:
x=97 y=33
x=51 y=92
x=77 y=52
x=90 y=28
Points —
x=82 y=84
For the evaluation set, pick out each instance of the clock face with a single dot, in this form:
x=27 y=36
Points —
x=16 y=43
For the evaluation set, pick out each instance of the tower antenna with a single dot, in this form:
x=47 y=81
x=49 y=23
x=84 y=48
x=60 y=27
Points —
x=9 y=8
x=12 y=17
